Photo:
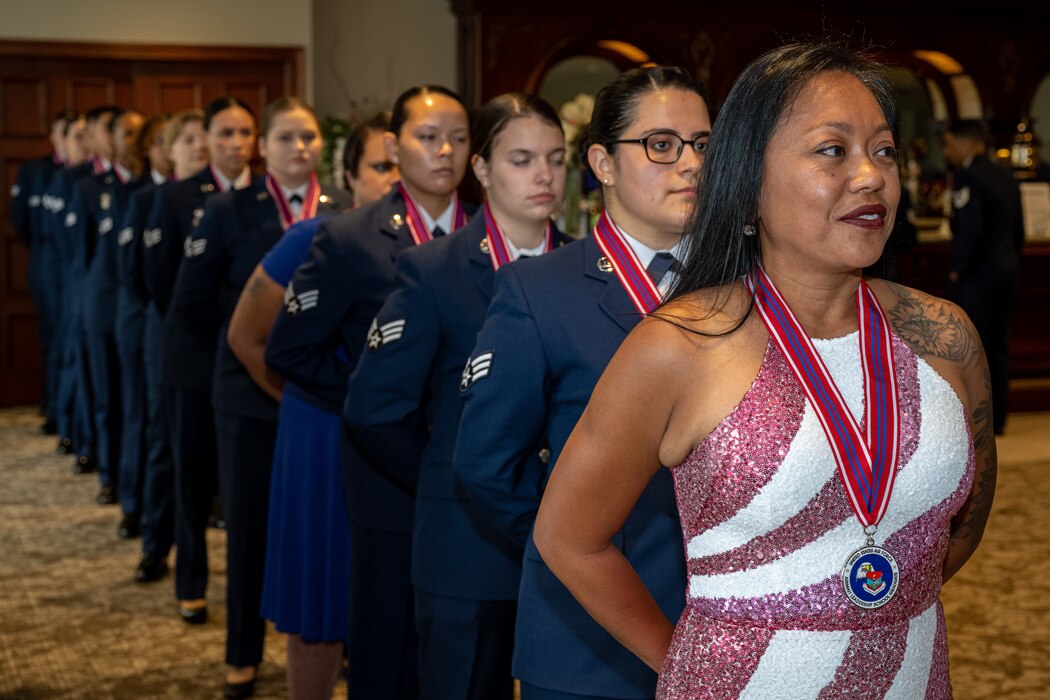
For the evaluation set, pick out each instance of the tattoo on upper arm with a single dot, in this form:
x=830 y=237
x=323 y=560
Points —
x=970 y=523
x=255 y=285
x=934 y=328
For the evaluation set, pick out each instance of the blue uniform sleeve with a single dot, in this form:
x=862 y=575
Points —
x=967 y=225
x=195 y=299
x=20 y=193
x=307 y=335
x=80 y=226
x=290 y=251
x=162 y=250
x=504 y=414
x=129 y=240
x=41 y=179
x=388 y=389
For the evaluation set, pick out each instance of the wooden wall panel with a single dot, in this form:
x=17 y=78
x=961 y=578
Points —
x=16 y=272
x=39 y=78
x=23 y=105
x=83 y=93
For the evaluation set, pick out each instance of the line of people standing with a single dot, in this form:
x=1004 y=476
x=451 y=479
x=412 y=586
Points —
x=311 y=365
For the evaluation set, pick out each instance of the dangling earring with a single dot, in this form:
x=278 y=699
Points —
x=749 y=229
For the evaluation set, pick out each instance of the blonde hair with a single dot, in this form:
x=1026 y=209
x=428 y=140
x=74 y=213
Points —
x=179 y=120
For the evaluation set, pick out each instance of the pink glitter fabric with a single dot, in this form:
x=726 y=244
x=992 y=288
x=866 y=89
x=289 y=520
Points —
x=767 y=529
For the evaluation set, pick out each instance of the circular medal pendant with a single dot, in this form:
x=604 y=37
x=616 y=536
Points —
x=870 y=577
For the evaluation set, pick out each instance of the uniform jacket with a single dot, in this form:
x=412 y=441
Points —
x=986 y=223
x=187 y=361
x=404 y=408
x=26 y=196
x=330 y=304
x=238 y=228
x=553 y=325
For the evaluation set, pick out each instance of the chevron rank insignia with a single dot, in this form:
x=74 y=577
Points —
x=105 y=226
x=378 y=336
x=295 y=304
x=476 y=368
x=125 y=236
x=71 y=219
x=192 y=248
x=152 y=236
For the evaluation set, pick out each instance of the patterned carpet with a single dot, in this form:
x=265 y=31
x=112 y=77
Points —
x=73 y=624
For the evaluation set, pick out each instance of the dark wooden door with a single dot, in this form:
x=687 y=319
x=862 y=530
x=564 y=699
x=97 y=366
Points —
x=37 y=79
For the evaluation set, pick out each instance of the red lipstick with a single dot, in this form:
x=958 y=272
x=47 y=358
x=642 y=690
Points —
x=870 y=216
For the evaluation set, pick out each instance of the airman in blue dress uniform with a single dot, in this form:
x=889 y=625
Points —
x=404 y=401
x=553 y=325
x=186 y=360
x=238 y=228
x=330 y=304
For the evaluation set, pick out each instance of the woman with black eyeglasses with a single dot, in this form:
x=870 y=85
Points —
x=552 y=327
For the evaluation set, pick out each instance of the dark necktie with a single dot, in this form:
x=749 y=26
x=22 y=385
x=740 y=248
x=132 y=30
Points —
x=660 y=265
x=438 y=231
x=296 y=203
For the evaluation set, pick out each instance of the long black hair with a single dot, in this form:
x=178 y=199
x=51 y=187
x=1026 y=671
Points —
x=616 y=104
x=716 y=249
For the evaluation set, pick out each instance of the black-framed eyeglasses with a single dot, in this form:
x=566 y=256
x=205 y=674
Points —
x=666 y=148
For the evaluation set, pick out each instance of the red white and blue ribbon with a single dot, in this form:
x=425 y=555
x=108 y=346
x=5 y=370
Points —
x=499 y=252
x=628 y=268
x=417 y=224
x=867 y=461
x=307 y=210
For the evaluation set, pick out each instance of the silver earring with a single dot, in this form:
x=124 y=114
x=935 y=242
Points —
x=749 y=229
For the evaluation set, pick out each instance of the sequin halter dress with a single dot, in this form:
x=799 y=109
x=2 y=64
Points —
x=767 y=530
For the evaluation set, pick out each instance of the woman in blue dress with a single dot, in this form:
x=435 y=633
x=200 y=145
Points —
x=308 y=548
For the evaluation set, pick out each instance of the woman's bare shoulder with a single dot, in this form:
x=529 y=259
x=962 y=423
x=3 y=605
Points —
x=934 y=328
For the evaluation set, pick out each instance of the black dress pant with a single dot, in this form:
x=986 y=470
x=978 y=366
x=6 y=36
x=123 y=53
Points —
x=245 y=464
x=382 y=647
x=988 y=302
x=158 y=492
x=465 y=647
x=193 y=448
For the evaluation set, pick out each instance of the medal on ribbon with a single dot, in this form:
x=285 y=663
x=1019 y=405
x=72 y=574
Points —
x=498 y=250
x=307 y=210
x=866 y=460
x=417 y=224
x=635 y=280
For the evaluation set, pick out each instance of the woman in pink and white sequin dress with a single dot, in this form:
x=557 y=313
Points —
x=815 y=554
